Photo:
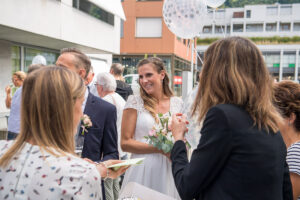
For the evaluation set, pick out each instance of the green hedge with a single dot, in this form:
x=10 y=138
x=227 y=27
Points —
x=258 y=40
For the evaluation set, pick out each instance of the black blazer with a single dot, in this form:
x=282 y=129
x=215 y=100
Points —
x=234 y=160
x=101 y=140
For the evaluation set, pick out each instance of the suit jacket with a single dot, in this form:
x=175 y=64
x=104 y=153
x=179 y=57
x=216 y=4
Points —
x=234 y=160
x=101 y=140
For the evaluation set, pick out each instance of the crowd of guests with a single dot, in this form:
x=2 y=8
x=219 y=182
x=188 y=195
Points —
x=249 y=146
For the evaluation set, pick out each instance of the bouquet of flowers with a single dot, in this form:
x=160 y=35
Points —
x=160 y=136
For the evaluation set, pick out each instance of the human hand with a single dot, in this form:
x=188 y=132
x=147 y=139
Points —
x=89 y=160
x=7 y=90
x=179 y=128
x=109 y=173
x=168 y=155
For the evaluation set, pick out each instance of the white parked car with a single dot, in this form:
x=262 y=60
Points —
x=133 y=81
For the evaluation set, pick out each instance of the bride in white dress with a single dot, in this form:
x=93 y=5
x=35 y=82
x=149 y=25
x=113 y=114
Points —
x=139 y=116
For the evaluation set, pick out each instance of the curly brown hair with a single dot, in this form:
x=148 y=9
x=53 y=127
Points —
x=287 y=100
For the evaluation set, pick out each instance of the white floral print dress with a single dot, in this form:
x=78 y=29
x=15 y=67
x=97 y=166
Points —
x=36 y=175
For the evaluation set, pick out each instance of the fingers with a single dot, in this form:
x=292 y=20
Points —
x=120 y=171
x=174 y=118
x=88 y=160
x=112 y=162
x=181 y=118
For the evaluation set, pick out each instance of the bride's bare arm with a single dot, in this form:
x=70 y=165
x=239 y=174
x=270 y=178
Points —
x=128 y=143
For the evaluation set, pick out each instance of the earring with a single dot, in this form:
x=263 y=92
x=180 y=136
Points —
x=289 y=123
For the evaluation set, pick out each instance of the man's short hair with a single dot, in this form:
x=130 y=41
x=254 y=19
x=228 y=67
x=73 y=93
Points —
x=117 y=69
x=82 y=61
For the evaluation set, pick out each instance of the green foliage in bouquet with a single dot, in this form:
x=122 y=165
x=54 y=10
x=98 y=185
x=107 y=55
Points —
x=160 y=135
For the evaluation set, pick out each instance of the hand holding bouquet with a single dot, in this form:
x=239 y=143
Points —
x=160 y=135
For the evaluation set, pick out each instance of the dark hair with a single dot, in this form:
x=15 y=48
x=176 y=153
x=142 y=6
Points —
x=82 y=61
x=287 y=100
x=149 y=101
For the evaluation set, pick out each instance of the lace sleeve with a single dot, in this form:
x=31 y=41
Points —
x=135 y=102
x=176 y=105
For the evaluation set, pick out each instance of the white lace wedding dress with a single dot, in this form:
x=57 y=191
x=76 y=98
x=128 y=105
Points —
x=155 y=172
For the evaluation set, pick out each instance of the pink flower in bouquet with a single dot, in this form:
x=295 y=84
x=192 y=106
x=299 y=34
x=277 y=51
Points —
x=164 y=131
x=170 y=124
x=152 y=132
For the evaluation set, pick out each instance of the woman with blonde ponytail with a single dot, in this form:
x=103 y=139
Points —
x=139 y=116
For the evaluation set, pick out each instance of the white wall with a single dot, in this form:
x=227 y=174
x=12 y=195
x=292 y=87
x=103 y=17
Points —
x=258 y=16
x=5 y=79
x=5 y=69
x=60 y=21
x=100 y=63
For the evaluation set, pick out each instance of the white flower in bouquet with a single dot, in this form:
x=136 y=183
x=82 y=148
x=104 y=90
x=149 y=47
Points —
x=86 y=123
x=160 y=136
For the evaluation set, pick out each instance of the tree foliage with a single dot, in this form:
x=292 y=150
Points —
x=242 y=3
x=258 y=40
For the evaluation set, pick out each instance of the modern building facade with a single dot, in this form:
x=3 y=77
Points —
x=43 y=27
x=268 y=25
x=144 y=34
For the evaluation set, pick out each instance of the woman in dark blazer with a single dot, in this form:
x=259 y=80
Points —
x=241 y=154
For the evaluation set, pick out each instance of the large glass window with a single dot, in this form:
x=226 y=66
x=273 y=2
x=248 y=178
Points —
x=285 y=10
x=289 y=60
x=254 y=28
x=207 y=29
x=228 y=29
x=272 y=59
x=297 y=26
x=148 y=27
x=94 y=10
x=271 y=27
x=219 y=29
x=30 y=53
x=238 y=15
x=220 y=14
x=16 y=58
x=248 y=13
x=178 y=87
x=238 y=28
x=210 y=13
x=288 y=64
x=272 y=10
x=130 y=63
x=122 y=28
x=285 y=27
